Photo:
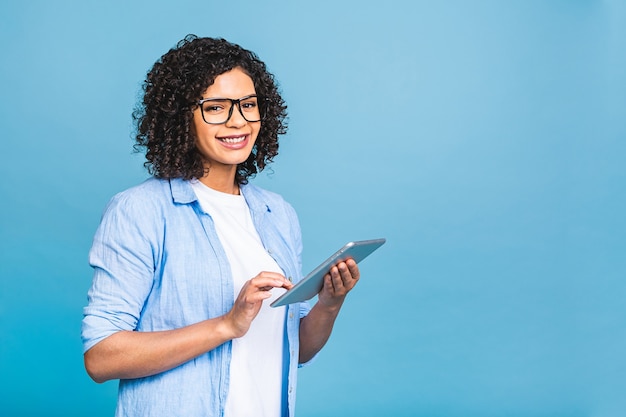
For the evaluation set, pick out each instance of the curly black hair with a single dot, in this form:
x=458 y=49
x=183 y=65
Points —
x=171 y=91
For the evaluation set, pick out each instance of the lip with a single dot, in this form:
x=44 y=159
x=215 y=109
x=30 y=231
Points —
x=234 y=142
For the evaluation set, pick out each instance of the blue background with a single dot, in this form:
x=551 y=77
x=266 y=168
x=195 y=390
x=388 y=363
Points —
x=484 y=139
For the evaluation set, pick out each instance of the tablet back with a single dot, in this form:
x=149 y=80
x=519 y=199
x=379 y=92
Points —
x=313 y=282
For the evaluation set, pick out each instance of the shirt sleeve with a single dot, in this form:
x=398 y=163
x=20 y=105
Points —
x=123 y=257
x=296 y=234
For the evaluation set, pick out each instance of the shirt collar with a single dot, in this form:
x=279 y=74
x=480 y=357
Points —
x=254 y=199
x=182 y=193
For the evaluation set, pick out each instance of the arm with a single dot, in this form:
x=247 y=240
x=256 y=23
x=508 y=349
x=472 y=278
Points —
x=129 y=354
x=316 y=327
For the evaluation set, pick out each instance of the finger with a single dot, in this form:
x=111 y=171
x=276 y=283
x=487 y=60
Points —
x=287 y=286
x=347 y=278
x=328 y=286
x=250 y=293
x=354 y=269
x=271 y=280
x=255 y=285
x=256 y=297
x=336 y=279
x=269 y=274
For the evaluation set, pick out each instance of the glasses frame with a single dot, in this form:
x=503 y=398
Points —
x=233 y=101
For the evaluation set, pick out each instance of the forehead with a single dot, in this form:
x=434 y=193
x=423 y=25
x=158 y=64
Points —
x=231 y=84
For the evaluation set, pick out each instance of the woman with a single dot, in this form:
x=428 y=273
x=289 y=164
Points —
x=186 y=263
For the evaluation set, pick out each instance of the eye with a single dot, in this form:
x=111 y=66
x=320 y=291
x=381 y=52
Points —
x=213 y=107
x=249 y=104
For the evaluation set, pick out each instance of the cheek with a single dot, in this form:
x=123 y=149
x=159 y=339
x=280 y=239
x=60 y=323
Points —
x=197 y=125
x=202 y=132
x=256 y=130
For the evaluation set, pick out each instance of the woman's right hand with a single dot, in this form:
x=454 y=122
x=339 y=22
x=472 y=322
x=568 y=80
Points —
x=250 y=298
x=131 y=354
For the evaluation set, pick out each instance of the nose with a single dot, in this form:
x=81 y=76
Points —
x=236 y=118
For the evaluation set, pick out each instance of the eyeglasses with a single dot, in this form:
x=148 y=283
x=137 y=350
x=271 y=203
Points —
x=217 y=111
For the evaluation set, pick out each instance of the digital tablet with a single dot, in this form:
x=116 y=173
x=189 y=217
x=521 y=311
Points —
x=313 y=282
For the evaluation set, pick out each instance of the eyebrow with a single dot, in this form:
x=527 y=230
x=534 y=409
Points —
x=227 y=98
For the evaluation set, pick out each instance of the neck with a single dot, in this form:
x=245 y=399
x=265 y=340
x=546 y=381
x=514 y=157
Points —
x=221 y=183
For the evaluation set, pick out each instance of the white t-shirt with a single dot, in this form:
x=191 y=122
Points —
x=256 y=368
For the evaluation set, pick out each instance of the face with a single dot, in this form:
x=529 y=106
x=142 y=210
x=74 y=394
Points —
x=225 y=145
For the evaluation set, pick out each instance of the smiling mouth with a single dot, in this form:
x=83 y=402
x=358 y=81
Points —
x=233 y=140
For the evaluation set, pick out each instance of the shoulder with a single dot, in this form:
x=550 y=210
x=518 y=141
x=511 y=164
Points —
x=150 y=191
x=151 y=196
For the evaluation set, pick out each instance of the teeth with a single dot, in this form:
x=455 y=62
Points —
x=233 y=140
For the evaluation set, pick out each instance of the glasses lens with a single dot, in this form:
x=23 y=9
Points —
x=218 y=111
x=250 y=109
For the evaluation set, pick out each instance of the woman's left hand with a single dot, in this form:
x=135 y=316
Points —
x=338 y=282
x=315 y=328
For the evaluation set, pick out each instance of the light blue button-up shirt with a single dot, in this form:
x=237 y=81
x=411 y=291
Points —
x=159 y=265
